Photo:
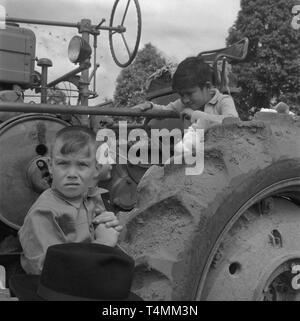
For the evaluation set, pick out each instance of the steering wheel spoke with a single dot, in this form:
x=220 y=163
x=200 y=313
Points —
x=125 y=13
x=126 y=45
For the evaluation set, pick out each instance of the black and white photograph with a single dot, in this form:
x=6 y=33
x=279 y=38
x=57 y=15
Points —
x=149 y=152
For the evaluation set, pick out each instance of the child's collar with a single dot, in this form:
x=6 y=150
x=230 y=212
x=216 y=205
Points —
x=74 y=202
x=215 y=96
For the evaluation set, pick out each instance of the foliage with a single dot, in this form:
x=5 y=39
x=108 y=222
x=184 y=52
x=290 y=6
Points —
x=131 y=82
x=270 y=72
x=56 y=96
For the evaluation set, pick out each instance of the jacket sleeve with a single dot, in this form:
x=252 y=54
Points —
x=176 y=105
x=227 y=107
x=39 y=231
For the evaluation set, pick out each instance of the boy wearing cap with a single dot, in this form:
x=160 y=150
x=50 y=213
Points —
x=72 y=209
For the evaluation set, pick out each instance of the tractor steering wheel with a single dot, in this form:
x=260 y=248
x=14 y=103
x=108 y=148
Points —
x=120 y=42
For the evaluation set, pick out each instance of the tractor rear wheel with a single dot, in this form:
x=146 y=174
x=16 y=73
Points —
x=231 y=233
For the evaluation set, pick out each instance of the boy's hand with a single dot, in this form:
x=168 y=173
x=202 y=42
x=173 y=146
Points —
x=199 y=115
x=109 y=219
x=143 y=106
x=106 y=235
x=202 y=119
x=186 y=113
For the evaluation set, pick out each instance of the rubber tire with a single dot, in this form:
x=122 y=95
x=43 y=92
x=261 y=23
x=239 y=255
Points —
x=179 y=218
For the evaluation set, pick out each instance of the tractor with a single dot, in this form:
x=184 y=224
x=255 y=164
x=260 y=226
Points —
x=230 y=233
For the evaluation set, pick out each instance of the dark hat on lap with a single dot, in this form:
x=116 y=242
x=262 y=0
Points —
x=79 y=272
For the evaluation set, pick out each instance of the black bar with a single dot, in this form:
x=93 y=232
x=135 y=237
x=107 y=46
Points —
x=119 y=29
x=68 y=75
x=85 y=110
x=43 y=22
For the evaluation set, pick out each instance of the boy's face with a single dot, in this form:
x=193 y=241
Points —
x=73 y=173
x=195 y=97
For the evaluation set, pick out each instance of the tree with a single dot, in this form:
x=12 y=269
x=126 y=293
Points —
x=270 y=72
x=130 y=89
x=56 y=96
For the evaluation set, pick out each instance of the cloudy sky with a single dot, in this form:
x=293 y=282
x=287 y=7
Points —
x=178 y=28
